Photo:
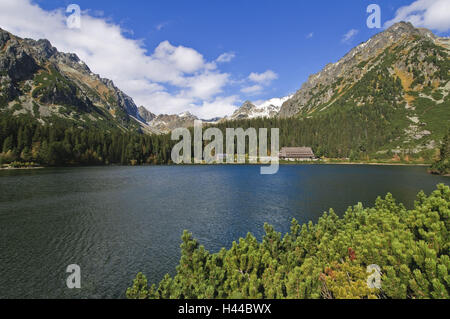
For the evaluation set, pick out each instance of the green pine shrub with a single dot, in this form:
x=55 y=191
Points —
x=324 y=260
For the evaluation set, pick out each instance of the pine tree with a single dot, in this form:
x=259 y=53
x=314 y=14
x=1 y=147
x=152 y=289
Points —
x=325 y=260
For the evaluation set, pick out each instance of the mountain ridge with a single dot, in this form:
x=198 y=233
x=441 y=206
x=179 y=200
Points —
x=312 y=92
x=250 y=110
x=404 y=70
x=50 y=83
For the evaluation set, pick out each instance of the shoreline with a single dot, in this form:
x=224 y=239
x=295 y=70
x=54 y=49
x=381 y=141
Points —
x=3 y=169
x=20 y=168
x=227 y=164
x=377 y=164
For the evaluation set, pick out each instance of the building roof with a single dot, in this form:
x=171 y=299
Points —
x=297 y=152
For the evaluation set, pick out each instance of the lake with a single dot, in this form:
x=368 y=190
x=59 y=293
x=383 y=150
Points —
x=117 y=221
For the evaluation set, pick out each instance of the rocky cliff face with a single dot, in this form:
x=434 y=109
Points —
x=164 y=123
x=145 y=114
x=415 y=56
x=244 y=112
x=37 y=79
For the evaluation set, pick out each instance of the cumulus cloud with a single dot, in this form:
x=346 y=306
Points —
x=258 y=81
x=185 y=60
x=253 y=89
x=218 y=107
x=226 y=57
x=169 y=79
x=206 y=85
x=263 y=78
x=431 y=14
x=349 y=35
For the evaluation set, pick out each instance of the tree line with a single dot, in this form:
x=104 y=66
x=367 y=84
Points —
x=346 y=131
x=24 y=139
x=442 y=164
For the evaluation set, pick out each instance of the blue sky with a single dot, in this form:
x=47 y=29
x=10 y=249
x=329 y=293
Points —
x=280 y=42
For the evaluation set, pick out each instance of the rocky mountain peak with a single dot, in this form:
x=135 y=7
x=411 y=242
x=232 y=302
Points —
x=4 y=37
x=146 y=115
x=335 y=78
x=42 y=77
x=247 y=105
x=42 y=49
x=250 y=110
x=187 y=114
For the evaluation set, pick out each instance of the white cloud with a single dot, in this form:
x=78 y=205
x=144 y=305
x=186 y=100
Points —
x=349 y=35
x=219 y=107
x=184 y=59
x=431 y=14
x=310 y=35
x=263 y=78
x=226 y=57
x=256 y=82
x=252 y=90
x=206 y=85
x=161 y=26
x=171 y=79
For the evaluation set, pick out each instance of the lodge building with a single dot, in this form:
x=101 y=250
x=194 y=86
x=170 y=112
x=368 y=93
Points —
x=297 y=154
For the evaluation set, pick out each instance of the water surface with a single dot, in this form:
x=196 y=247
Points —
x=117 y=221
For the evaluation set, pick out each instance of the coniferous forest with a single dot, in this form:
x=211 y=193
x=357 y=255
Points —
x=24 y=139
x=357 y=134
x=333 y=258
x=442 y=165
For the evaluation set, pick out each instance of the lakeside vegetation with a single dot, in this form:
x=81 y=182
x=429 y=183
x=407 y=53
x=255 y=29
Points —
x=328 y=259
x=17 y=165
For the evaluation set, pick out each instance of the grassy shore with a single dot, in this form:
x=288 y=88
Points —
x=17 y=165
x=20 y=165
x=342 y=162
x=8 y=168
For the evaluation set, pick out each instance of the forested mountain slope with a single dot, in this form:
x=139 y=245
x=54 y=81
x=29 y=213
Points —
x=395 y=66
x=387 y=98
x=39 y=81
